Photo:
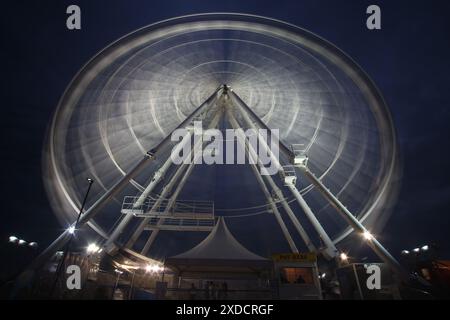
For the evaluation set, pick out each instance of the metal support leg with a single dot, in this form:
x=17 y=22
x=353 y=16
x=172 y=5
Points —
x=330 y=251
x=302 y=232
x=243 y=110
x=247 y=110
x=355 y=224
x=170 y=204
x=241 y=139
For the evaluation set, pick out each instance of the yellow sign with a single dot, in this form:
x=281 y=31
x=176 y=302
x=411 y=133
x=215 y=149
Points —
x=295 y=257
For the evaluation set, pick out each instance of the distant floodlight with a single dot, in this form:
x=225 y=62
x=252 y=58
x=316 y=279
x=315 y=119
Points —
x=367 y=235
x=343 y=256
x=13 y=239
x=323 y=275
x=22 y=242
x=33 y=244
x=92 y=248
x=416 y=250
x=425 y=248
x=71 y=229
x=405 y=252
x=118 y=271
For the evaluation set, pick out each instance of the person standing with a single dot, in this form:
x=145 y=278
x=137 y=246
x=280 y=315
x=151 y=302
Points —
x=192 y=292
x=224 y=290
x=206 y=289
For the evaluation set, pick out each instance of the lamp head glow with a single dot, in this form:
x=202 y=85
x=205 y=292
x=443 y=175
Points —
x=148 y=268
x=343 y=256
x=13 y=239
x=425 y=248
x=71 y=229
x=22 y=242
x=33 y=244
x=92 y=248
x=153 y=268
x=367 y=235
x=405 y=252
x=416 y=250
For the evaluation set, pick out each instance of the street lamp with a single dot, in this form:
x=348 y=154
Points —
x=367 y=235
x=92 y=248
x=119 y=273
x=33 y=244
x=343 y=256
x=21 y=242
x=71 y=231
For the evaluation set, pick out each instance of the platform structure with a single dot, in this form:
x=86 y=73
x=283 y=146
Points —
x=167 y=213
x=181 y=216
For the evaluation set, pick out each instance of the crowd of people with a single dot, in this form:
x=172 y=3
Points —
x=211 y=291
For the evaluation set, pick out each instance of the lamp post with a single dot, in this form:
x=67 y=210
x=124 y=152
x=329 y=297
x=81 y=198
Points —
x=119 y=272
x=130 y=294
x=72 y=230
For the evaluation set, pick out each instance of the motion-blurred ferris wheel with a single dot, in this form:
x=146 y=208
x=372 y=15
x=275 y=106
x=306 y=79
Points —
x=113 y=124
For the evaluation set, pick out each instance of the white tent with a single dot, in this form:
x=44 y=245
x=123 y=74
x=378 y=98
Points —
x=219 y=253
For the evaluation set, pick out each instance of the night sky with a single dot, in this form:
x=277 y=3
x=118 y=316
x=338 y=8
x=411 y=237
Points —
x=408 y=60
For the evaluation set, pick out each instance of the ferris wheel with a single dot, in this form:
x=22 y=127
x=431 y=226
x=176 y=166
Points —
x=338 y=165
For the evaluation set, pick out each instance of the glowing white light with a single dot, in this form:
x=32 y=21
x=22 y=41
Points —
x=13 y=239
x=425 y=248
x=33 y=244
x=343 y=256
x=22 y=242
x=118 y=271
x=323 y=275
x=92 y=248
x=405 y=252
x=416 y=250
x=153 y=268
x=367 y=235
x=71 y=229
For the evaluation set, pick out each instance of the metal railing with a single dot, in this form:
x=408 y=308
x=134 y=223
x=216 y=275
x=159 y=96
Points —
x=188 y=209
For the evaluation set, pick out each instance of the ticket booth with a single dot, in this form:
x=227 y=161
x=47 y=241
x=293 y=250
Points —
x=297 y=276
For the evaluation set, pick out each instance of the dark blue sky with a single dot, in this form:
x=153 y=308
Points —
x=408 y=60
